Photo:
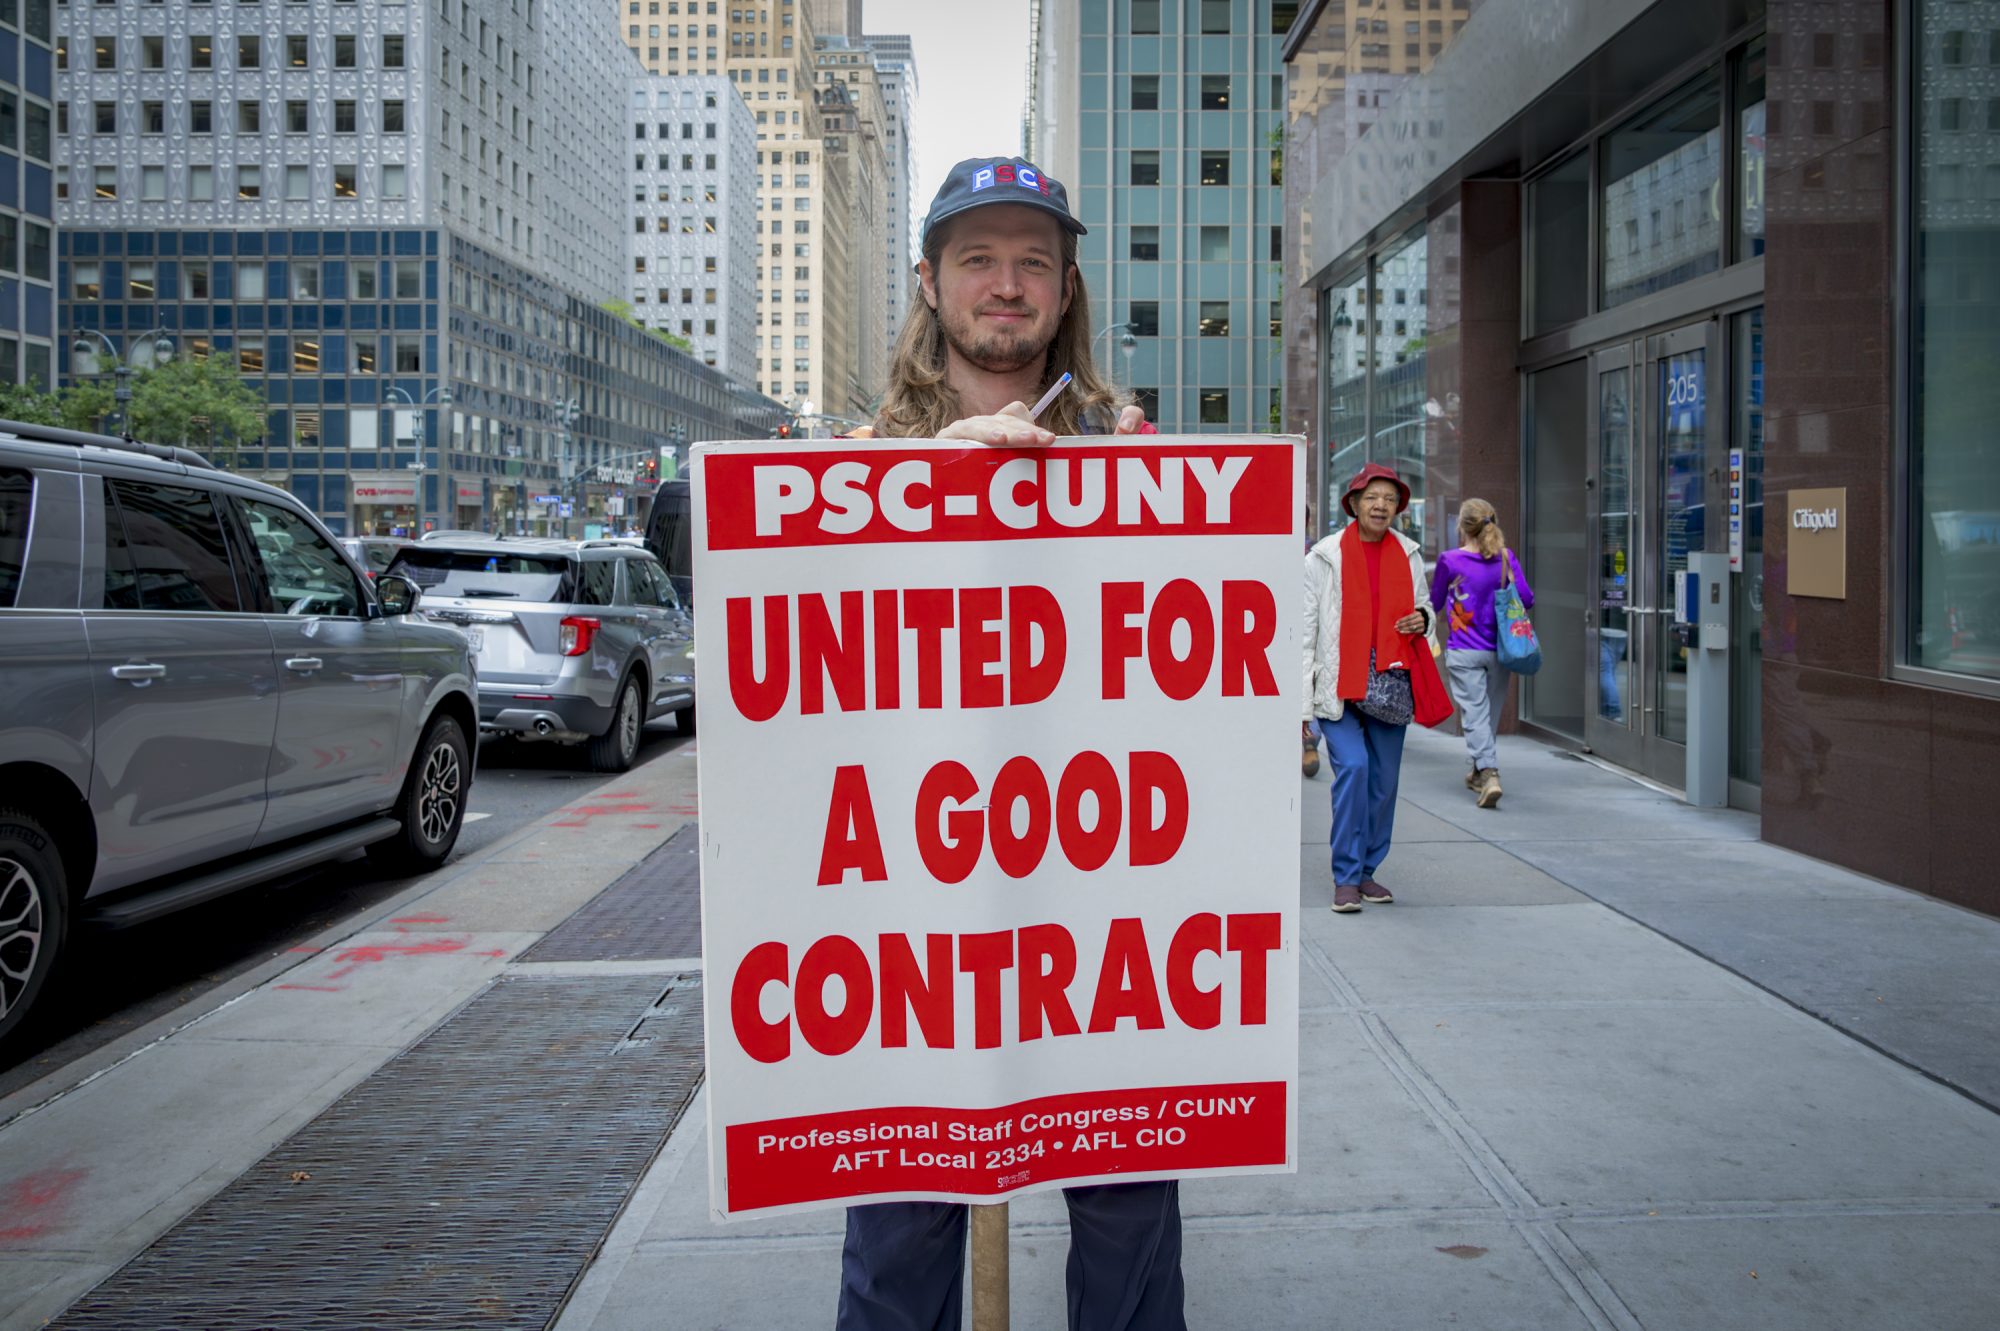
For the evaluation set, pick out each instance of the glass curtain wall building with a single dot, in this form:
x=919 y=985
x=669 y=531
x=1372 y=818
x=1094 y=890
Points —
x=1162 y=117
x=27 y=197
x=1716 y=282
x=402 y=224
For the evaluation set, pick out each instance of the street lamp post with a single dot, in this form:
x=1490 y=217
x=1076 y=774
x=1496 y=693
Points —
x=159 y=346
x=1128 y=343
x=443 y=395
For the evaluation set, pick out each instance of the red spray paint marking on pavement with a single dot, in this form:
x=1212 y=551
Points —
x=367 y=954
x=35 y=1203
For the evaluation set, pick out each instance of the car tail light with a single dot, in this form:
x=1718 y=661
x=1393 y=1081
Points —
x=576 y=634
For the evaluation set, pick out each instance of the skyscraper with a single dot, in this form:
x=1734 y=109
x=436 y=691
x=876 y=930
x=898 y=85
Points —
x=1162 y=119
x=402 y=223
x=27 y=223
x=896 y=70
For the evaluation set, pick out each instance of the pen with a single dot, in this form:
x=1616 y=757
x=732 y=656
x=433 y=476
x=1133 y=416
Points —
x=1050 y=396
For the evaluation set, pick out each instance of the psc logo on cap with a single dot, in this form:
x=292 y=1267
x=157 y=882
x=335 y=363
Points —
x=1005 y=173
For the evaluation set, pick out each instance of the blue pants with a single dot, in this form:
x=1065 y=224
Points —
x=903 y=1266
x=1367 y=762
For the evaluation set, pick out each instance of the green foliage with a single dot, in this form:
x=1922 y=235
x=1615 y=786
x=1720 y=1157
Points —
x=29 y=405
x=623 y=309
x=201 y=401
x=85 y=406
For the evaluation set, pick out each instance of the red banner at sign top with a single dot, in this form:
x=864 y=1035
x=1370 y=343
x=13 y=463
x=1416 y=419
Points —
x=872 y=496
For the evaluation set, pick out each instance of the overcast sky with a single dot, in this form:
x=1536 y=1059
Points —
x=972 y=73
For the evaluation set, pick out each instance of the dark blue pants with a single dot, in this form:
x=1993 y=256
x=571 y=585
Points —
x=1367 y=763
x=903 y=1267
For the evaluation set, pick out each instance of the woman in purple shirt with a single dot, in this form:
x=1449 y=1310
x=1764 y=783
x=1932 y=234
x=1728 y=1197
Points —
x=1462 y=589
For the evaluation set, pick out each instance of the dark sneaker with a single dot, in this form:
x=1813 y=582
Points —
x=1375 y=894
x=1489 y=788
x=1309 y=760
x=1346 y=899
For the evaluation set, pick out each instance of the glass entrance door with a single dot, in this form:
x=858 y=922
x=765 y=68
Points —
x=1648 y=487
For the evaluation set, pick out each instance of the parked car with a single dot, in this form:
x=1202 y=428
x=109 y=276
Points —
x=373 y=553
x=670 y=535
x=203 y=692
x=579 y=642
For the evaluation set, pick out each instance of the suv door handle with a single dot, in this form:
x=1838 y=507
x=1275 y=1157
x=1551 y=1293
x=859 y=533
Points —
x=305 y=665
x=143 y=673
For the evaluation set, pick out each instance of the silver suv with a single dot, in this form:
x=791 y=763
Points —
x=579 y=641
x=199 y=690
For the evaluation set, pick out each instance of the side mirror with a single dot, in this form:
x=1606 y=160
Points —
x=398 y=595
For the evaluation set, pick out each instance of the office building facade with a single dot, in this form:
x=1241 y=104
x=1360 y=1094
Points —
x=1162 y=121
x=402 y=223
x=1698 y=285
x=694 y=247
x=27 y=194
x=896 y=73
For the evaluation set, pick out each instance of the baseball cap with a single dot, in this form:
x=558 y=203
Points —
x=978 y=181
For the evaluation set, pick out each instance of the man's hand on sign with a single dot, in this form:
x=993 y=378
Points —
x=1010 y=427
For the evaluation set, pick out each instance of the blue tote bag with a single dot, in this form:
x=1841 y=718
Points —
x=1514 y=637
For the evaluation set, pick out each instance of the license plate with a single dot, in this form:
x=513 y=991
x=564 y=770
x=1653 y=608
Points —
x=476 y=638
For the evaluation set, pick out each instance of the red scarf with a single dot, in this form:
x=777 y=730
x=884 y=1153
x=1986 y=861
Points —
x=1366 y=620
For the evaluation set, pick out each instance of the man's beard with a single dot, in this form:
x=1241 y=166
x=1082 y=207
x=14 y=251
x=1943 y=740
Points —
x=1001 y=351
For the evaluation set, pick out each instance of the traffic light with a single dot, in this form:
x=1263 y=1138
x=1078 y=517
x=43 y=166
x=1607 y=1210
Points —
x=652 y=469
x=785 y=431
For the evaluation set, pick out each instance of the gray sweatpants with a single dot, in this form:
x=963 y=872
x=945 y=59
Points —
x=1479 y=687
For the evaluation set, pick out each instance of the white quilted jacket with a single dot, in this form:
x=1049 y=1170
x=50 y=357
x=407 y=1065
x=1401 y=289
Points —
x=1322 y=628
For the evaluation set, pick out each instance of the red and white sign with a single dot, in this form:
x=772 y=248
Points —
x=470 y=494
x=381 y=488
x=998 y=812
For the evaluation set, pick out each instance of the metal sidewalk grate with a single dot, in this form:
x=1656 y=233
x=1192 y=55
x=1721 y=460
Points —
x=652 y=913
x=465 y=1184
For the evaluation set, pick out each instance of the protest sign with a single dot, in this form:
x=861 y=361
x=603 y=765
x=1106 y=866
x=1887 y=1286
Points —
x=998 y=814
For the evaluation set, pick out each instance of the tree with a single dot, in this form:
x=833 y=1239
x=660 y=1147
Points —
x=623 y=309
x=85 y=406
x=197 y=402
x=27 y=404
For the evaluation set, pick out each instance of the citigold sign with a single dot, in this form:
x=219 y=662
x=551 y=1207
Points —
x=1816 y=553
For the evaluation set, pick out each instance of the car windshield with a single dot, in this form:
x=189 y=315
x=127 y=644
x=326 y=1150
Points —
x=480 y=573
x=376 y=557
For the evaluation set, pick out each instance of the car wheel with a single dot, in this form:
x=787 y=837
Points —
x=614 y=750
x=432 y=805
x=684 y=719
x=34 y=914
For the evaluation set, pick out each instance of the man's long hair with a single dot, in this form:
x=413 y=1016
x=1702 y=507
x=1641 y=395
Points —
x=919 y=402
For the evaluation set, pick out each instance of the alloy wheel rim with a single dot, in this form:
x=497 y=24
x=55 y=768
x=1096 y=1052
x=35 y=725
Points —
x=437 y=802
x=21 y=930
x=628 y=720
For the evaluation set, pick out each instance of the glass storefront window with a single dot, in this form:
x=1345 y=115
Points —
x=1746 y=745
x=1953 y=596
x=1750 y=152
x=1401 y=337
x=1558 y=231
x=1346 y=379
x=1659 y=226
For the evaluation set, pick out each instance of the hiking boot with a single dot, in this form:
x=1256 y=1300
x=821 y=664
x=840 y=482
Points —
x=1488 y=788
x=1472 y=779
x=1309 y=759
x=1375 y=894
x=1346 y=899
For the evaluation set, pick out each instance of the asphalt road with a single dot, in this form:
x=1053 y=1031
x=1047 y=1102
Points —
x=116 y=981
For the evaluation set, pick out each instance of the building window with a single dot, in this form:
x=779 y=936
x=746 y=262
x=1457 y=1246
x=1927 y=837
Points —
x=1214 y=243
x=249 y=182
x=1145 y=17
x=296 y=48
x=295 y=117
x=392 y=117
x=250 y=280
x=392 y=50
x=1144 y=318
x=1951 y=597
x=249 y=51
x=1145 y=92
x=305 y=279
x=1215 y=92
x=409 y=354
x=249 y=117
x=194 y=279
x=364 y=354
x=139 y=281
x=201 y=117
x=1215 y=168
x=1652 y=167
x=152 y=52
x=250 y=355
x=343 y=51
x=343 y=117
x=153 y=184
x=1215 y=318
x=1146 y=166
x=201 y=184
x=305 y=360
x=201 y=51
x=1146 y=243
x=106 y=178
x=345 y=176
x=409 y=279
x=363 y=281
x=1215 y=406
x=86 y=281
x=395 y=179
x=104 y=52
x=104 y=117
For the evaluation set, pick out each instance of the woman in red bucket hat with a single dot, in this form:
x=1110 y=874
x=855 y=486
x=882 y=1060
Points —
x=1363 y=621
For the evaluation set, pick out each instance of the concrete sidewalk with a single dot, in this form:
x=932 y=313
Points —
x=1608 y=1062
x=1521 y=1107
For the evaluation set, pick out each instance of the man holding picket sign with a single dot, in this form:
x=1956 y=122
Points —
x=1102 y=992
